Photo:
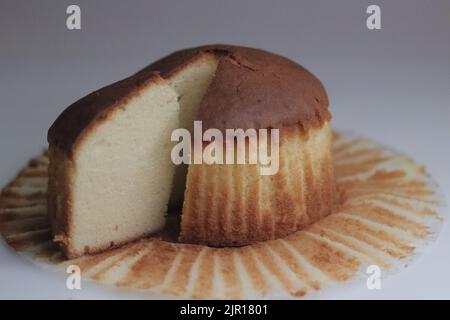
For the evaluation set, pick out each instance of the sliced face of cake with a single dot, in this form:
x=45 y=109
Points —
x=190 y=83
x=110 y=173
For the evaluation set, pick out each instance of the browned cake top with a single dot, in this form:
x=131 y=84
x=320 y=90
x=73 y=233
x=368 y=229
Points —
x=252 y=88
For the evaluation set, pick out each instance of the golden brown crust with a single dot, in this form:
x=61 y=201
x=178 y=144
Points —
x=241 y=206
x=257 y=89
x=253 y=88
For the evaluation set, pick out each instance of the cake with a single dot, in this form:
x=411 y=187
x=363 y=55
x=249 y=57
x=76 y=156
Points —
x=97 y=153
x=110 y=171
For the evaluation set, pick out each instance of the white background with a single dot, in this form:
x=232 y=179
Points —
x=391 y=85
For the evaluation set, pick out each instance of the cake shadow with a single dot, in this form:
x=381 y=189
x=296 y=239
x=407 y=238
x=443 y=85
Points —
x=171 y=230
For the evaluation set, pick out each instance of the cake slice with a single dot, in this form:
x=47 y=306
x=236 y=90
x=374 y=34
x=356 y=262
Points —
x=110 y=172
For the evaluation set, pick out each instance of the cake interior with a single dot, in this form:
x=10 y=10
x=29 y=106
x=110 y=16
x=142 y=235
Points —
x=191 y=84
x=126 y=161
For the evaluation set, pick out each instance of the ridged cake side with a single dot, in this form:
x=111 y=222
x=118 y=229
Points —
x=228 y=205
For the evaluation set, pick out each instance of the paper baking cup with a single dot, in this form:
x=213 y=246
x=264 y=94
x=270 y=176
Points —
x=388 y=208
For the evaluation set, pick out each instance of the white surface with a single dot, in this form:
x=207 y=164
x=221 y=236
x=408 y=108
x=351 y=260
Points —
x=392 y=86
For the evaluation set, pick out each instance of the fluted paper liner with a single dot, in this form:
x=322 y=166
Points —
x=388 y=208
